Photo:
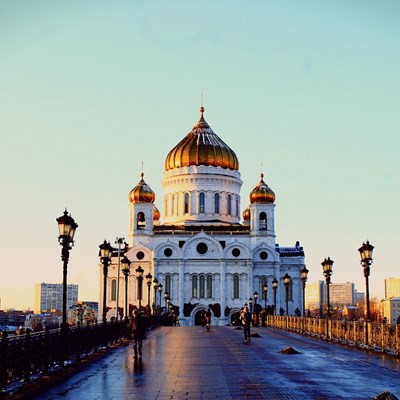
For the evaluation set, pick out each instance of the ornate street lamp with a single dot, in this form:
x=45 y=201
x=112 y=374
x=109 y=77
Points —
x=66 y=229
x=327 y=265
x=251 y=305
x=286 y=281
x=105 y=254
x=119 y=241
x=304 y=276
x=139 y=278
x=149 y=278
x=265 y=291
x=366 y=251
x=155 y=285
x=274 y=287
x=159 y=288
x=125 y=262
x=166 y=298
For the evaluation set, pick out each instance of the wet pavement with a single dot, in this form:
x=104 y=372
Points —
x=191 y=363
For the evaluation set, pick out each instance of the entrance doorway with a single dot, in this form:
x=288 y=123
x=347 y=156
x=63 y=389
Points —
x=199 y=317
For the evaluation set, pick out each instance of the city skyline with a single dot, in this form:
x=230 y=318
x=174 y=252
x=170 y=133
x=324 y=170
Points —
x=91 y=90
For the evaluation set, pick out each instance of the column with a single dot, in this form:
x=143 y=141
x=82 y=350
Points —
x=181 y=287
x=250 y=280
x=223 y=287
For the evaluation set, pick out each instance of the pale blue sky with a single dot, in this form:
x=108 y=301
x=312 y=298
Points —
x=90 y=89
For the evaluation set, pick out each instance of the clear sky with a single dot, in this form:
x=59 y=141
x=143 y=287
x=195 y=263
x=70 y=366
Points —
x=90 y=89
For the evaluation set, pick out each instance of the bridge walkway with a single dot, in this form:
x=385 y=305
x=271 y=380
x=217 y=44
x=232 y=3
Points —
x=191 y=363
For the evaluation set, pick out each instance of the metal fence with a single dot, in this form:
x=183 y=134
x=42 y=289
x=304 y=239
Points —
x=21 y=356
x=376 y=336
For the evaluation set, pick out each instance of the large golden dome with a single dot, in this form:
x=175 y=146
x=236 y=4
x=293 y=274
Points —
x=201 y=146
x=141 y=193
x=262 y=193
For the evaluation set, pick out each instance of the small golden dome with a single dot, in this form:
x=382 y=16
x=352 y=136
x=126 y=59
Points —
x=201 y=146
x=156 y=214
x=262 y=193
x=246 y=214
x=141 y=193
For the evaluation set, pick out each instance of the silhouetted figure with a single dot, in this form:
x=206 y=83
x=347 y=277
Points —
x=138 y=330
x=207 y=319
x=245 y=317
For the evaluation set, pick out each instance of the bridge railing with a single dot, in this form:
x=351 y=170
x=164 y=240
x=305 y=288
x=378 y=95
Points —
x=372 y=335
x=21 y=356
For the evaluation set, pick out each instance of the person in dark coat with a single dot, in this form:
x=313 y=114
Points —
x=245 y=317
x=138 y=330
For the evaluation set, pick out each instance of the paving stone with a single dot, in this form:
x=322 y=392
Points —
x=189 y=363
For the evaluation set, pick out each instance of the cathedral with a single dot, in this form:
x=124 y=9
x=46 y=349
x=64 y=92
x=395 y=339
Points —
x=204 y=253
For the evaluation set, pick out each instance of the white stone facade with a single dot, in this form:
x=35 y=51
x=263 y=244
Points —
x=202 y=253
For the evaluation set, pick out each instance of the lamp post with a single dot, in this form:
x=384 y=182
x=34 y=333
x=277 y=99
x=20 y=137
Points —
x=66 y=229
x=139 y=278
x=327 y=269
x=274 y=287
x=159 y=288
x=366 y=251
x=166 y=297
x=105 y=254
x=265 y=291
x=126 y=271
x=155 y=284
x=149 y=278
x=251 y=305
x=286 y=281
x=304 y=275
x=119 y=241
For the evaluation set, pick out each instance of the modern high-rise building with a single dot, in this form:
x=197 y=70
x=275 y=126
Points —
x=203 y=253
x=391 y=309
x=315 y=295
x=392 y=287
x=48 y=297
x=342 y=294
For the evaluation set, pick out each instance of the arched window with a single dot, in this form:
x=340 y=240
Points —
x=229 y=204
x=290 y=291
x=236 y=286
x=194 y=286
x=168 y=284
x=202 y=204
x=216 y=203
x=173 y=205
x=209 y=287
x=202 y=287
x=141 y=220
x=186 y=203
x=263 y=283
x=113 y=289
x=237 y=206
x=263 y=221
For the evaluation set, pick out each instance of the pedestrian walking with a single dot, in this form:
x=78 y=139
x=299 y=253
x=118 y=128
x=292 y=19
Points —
x=137 y=329
x=245 y=317
x=207 y=319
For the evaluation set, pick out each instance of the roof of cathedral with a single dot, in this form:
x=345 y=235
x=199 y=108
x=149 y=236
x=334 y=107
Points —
x=201 y=146
x=262 y=193
x=290 y=251
x=141 y=193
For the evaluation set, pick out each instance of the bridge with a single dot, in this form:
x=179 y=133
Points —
x=191 y=363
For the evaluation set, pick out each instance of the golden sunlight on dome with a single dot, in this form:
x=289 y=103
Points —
x=141 y=193
x=246 y=214
x=156 y=214
x=201 y=146
x=262 y=193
